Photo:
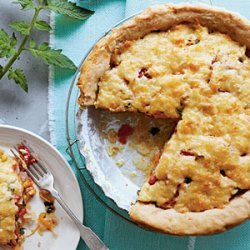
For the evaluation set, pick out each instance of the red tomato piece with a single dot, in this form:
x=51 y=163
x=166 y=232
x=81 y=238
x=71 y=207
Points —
x=22 y=212
x=186 y=153
x=123 y=133
x=122 y=140
x=152 y=180
x=26 y=155
x=125 y=130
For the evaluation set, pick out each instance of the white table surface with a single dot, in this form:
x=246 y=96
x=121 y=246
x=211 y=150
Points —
x=29 y=111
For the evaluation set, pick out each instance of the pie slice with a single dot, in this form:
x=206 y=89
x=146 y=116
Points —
x=189 y=63
x=10 y=187
x=16 y=190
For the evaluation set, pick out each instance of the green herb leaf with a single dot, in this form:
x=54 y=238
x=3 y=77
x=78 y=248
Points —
x=19 y=77
x=7 y=44
x=22 y=231
x=32 y=43
x=53 y=57
x=42 y=25
x=11 y=188
x=43 y=46
x=26 y=4
x=21 y=26
x=1 y=69
x=69 y=9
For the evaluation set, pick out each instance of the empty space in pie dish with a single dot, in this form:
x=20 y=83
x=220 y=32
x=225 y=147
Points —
x=121 y=169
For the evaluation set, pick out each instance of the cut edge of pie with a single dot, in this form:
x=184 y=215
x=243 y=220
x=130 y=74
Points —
x=162 y=18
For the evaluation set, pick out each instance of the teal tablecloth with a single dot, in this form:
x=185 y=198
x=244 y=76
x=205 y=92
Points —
x=75 y=38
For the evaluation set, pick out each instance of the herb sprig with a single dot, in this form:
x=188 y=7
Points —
x=10 y=49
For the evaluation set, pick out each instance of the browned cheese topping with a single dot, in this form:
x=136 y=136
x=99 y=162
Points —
x=203 y=79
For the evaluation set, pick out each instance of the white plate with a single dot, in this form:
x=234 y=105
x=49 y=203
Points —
x=65 y=182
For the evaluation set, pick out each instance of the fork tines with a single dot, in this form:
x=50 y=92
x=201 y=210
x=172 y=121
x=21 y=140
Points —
x=36 y=170
x=45 y=170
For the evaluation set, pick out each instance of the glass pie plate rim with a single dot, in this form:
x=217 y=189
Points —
x=73 y=144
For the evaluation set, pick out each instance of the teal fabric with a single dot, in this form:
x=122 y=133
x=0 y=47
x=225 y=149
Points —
x=75 y=38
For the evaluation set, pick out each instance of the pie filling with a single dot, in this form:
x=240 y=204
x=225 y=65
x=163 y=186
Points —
x=16 y=190
x=201 y=78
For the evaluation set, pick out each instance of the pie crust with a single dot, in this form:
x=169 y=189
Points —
x=162 y=18
x=155 y=18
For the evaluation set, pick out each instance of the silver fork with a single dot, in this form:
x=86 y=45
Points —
x=44 y=179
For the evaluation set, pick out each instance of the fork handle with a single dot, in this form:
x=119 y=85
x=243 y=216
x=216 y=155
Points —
x=89 y=237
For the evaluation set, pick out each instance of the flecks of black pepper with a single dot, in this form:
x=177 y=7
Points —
x=241 y=59
x=144 y=72
x=196 y=41
x=187 y=180
x=47 y=204
x=154 y=130
x=50 y=209
x=222 y=172
x=199 y=157
x=128 y=105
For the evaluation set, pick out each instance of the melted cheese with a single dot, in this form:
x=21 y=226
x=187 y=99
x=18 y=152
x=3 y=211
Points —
x=206 y=77
x=10 y=186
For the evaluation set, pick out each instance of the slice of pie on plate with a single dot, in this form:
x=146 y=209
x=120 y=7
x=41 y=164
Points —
x=186 y=62
x=13 y=197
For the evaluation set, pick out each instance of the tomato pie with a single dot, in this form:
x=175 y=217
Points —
x=189 y=63
x=16 y=190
